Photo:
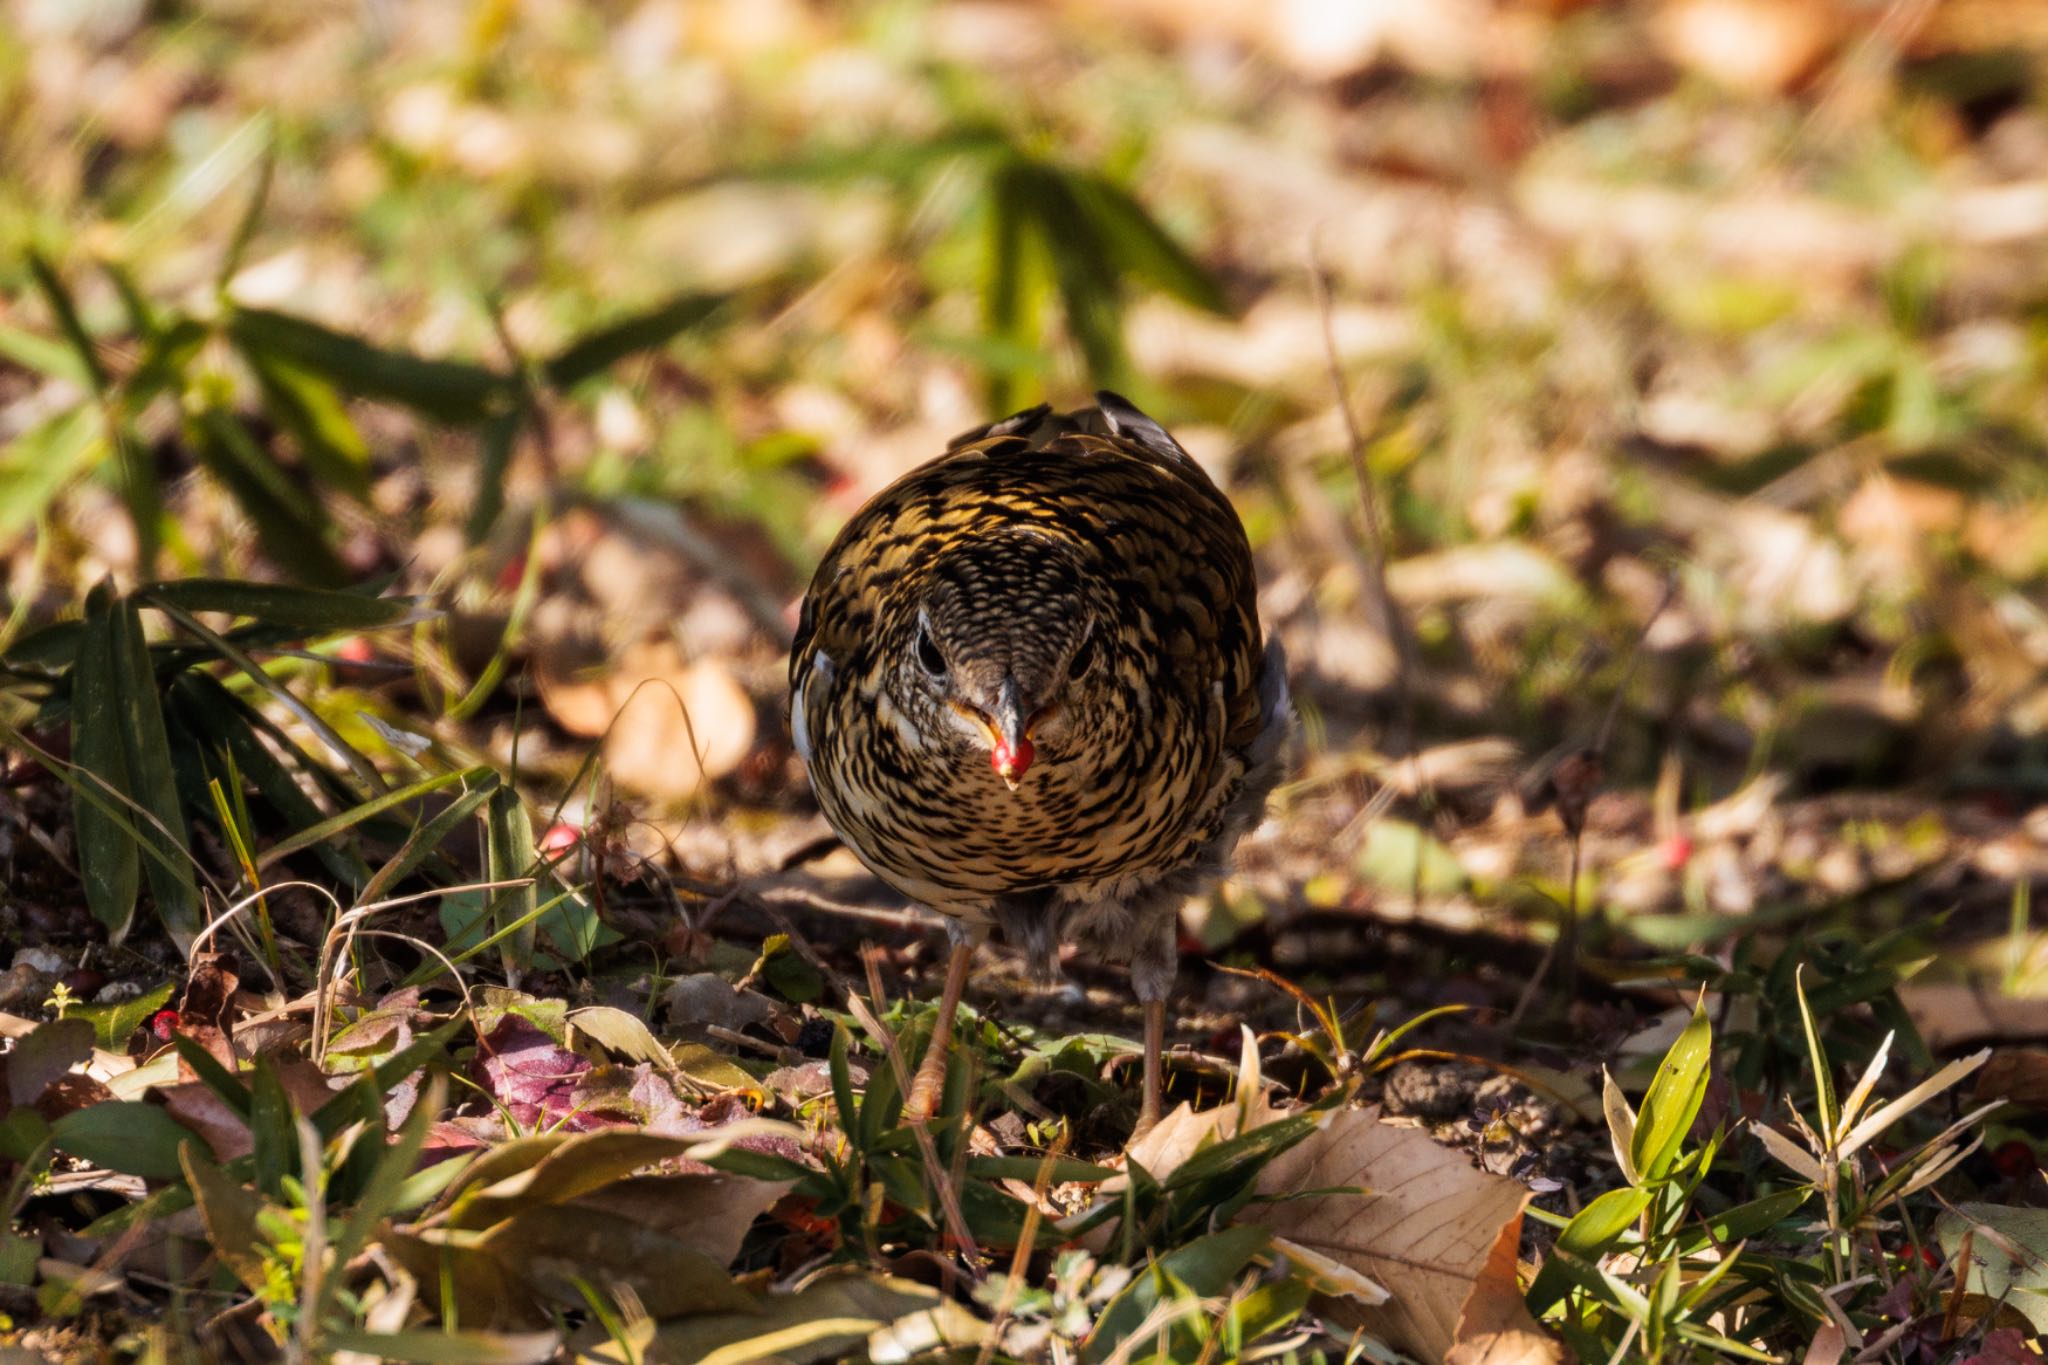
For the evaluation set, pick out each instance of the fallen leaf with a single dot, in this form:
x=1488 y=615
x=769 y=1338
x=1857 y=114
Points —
x=209 y=990
x=714 y=1209
x=547 y=1249
x=835 y=1315
x=1828 y=1346
x=532 y=1075
x=623 y=1033
x=2005 y=1346
x=1438 y=1234
x=1949 y=1013
x=706 y=999
x=678 y=725
x=2018 y=1074
x=669 y=724
x=37 y=1060
x=1424 y=1257
x=225 y=1132
x=530 y=1216
x=70 y=1093
x=1495 y=1327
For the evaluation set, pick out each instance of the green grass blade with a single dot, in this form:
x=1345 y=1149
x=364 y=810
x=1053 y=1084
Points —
x=41 y=462
x=290 y=525
x=65 y=310
x=309 y=609
x=509 y=855
x=447 y=390
x=355 y=815
x=152 y=783
x=425 y=839
x=108 y=858
x=1144 y=249
x=42 y=355
x=499 y=436
x=1823 y=1081
x=597 y=351
x=361 y=766
x=308 y=408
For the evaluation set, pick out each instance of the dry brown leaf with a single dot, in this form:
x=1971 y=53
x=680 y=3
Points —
x=2018 y=1074
x=1756 y=47
x=1424 y=1258
x=688 y=724
x=1186 y=1131
x=225 y=1132
x=1495 y=1327
x=1828 y=1346
x=1951 y=1012
x=669 y=725
x=1437 y=1233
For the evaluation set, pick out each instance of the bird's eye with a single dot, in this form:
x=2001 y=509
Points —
x=928 y=656
x=1083 y=658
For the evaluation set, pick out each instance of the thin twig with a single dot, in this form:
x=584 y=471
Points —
x=1027 y=1240
x=1391 y=620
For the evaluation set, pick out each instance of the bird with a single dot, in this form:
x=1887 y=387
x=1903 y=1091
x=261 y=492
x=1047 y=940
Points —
x=1032 y=692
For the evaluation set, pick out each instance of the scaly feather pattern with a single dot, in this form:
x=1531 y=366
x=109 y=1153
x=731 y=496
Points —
x=1030 y=686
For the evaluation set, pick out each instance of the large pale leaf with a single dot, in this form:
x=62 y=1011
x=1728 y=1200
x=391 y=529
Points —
x=548 y=1248
x=1428 y=1227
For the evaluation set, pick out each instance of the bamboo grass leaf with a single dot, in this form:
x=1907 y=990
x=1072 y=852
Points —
x=597 y=351
x=448 y=390
x=152 y=783
x=107 y=855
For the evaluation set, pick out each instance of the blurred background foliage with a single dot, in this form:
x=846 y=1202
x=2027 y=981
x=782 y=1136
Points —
x=1714 y=325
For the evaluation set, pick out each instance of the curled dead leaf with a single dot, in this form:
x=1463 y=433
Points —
x=669 y=725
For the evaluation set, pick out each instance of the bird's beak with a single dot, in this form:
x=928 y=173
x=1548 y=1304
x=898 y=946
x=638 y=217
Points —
x=1012 y=752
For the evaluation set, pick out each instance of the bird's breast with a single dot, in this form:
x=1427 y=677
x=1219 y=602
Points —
x=941 y=825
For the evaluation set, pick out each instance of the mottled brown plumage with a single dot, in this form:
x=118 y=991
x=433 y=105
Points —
x=1031 y=691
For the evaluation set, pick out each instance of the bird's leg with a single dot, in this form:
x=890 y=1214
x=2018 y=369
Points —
x=1152 y=973
x=930 y=1081
x=1155 y=1082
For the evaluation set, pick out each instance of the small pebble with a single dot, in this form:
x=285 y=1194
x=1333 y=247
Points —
x=48 y=961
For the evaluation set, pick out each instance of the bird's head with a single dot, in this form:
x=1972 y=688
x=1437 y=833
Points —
x=1004 y=651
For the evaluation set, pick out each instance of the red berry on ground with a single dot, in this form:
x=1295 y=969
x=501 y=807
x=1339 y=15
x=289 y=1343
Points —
x=2015 y=1160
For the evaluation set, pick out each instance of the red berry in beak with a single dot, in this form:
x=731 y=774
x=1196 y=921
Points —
x=1011 y=760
